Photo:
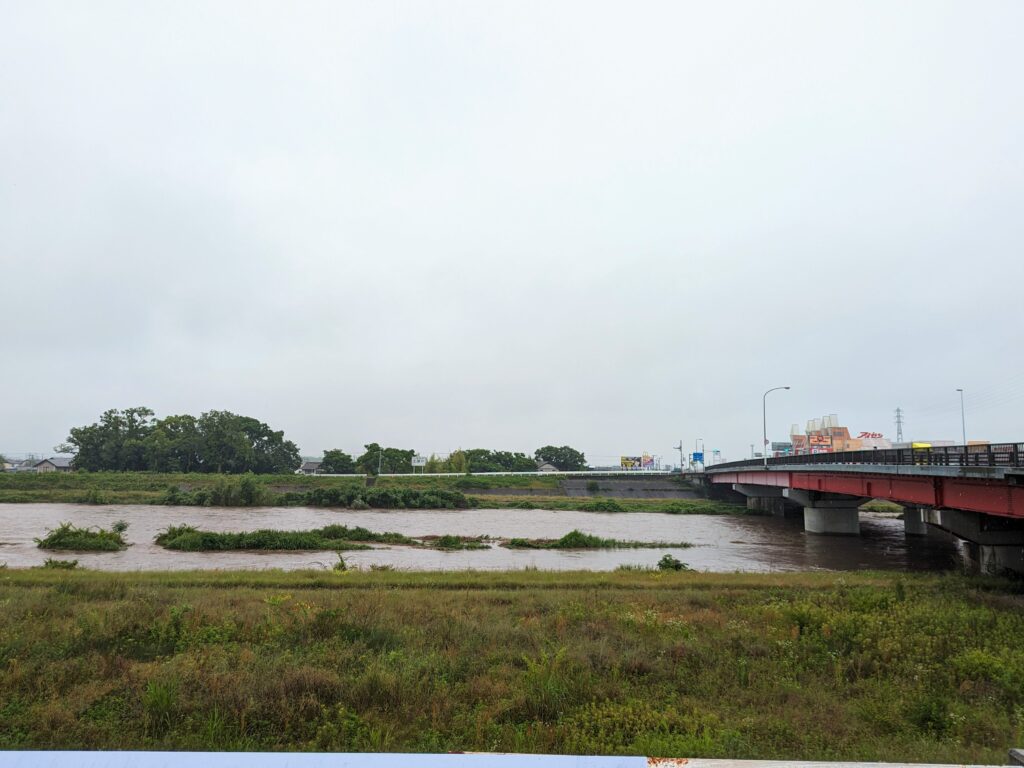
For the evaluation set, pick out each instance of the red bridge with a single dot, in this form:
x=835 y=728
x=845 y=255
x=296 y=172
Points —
x=973 y=492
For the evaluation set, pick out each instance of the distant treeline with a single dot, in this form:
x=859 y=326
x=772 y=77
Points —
x=378 y=459
x=217 y=441
x=134 y=440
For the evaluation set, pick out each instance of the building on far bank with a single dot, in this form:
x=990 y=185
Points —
x=827 y=435
x=309 y=468
x=54 y=464
x=546 y=466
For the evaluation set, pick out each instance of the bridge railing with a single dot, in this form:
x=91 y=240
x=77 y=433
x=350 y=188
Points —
x=994 y=455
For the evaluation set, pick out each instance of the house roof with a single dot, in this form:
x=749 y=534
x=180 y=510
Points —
x=311 y=465
x=64 y=462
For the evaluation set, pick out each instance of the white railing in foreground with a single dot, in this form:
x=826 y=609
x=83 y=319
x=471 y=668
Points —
x=378 y=760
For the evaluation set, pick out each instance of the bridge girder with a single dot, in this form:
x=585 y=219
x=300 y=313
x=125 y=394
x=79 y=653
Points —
x=1003 y=498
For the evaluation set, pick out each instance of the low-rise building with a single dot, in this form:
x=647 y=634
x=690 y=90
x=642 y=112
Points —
x=54 y=464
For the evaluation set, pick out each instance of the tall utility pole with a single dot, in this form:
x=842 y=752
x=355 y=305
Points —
x=963 y=418
x=899 y=425
x=680 y=449
x=764 y=422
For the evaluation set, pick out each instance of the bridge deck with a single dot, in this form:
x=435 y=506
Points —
x=990 y=481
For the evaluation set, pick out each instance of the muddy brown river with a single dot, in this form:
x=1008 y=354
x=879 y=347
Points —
x=720 y=543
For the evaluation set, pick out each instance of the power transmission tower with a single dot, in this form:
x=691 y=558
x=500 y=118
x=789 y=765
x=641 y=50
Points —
x=899 y=425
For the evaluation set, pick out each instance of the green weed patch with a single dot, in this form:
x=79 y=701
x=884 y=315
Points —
x=579 y=540
x=69 y=537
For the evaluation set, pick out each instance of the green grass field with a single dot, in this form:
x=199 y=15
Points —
x=812 y=666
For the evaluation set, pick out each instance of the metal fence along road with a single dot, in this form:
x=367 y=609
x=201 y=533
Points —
x=995 y=455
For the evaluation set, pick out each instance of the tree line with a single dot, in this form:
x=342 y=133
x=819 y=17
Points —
x=217 y=441
x=376 y=459
x=134 y=440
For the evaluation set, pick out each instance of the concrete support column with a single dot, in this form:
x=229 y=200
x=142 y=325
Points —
x=999 y=560
x=992 y=544
x=913 y=522
x=765 y=499
x=828 y=513
x=833 y=520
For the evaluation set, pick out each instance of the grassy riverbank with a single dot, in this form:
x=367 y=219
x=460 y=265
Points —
x=810 y=666
x=420 y=492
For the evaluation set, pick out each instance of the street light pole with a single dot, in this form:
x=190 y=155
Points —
x=963 y=418
x=764 y=422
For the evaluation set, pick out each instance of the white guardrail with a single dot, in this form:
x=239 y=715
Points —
x=386 y=760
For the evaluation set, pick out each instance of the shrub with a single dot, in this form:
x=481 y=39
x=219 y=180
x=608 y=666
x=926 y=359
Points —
x=175 y=497
x=579 y=540
x=602 y=505
x=67 y=536
x=452 y=542
x=188 y=539
x=249 y=493
x=669 y=563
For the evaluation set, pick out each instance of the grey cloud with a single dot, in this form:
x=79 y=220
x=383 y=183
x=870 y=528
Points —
x=454 y=224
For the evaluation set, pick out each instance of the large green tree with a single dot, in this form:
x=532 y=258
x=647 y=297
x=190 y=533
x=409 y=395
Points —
x=337 y=462
x=233 y=443
x=116 y=442
x=390 y=460
x=217 y=441
x=484 y=460
x=175 y=445
x=565 y=458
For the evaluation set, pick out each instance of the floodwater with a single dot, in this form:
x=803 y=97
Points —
x=721 y=543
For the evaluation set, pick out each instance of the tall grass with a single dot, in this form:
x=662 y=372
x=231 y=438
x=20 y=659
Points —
x=578 y=540
x=867 y=667
x=330 y=537
x=189 y=539
x=69 y=537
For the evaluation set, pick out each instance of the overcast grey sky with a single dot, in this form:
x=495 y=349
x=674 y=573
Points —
x=443 y=224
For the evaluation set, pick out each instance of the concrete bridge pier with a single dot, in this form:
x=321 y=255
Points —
x=828 y=513
x=914 y=521
x=993 y=544
x=766 y=500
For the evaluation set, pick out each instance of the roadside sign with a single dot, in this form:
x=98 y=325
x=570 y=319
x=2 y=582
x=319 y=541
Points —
x=419 y=461
x=699 y=456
